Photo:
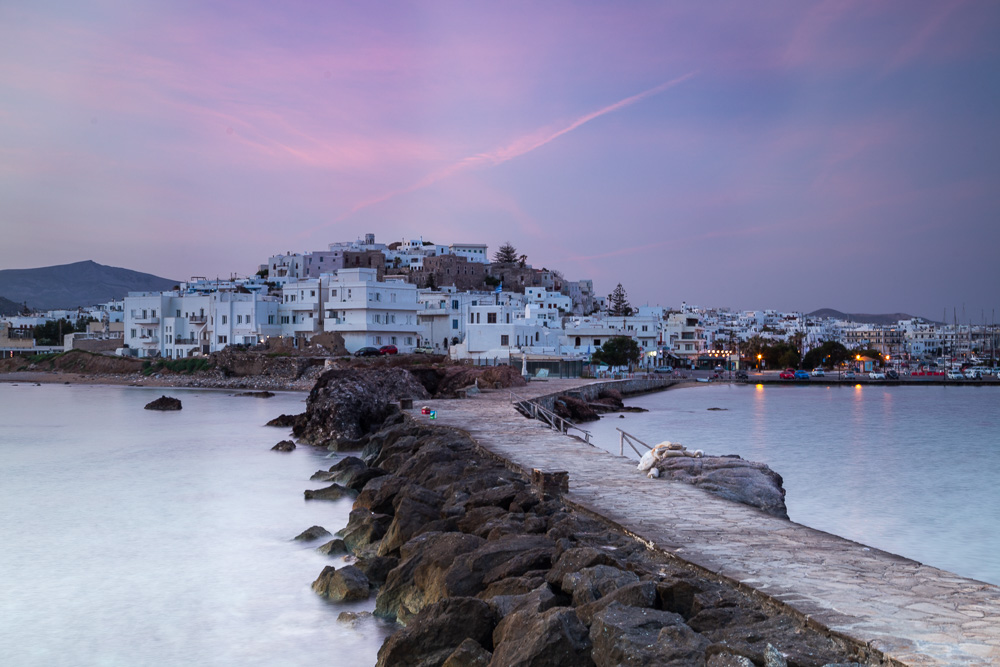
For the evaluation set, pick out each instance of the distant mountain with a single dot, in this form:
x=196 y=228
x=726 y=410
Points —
x=864 y=318
x=8 y=307
x=74 y=285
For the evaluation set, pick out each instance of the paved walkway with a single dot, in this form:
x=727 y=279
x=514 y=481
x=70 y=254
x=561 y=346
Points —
x=912 y=613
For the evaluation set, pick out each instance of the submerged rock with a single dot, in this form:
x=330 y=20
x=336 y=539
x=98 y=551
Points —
x=164 y=403
x=313 y=533
x=283 y=446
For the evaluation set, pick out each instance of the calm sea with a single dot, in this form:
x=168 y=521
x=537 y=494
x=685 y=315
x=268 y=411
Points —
x=911 y=470
x=133 y=537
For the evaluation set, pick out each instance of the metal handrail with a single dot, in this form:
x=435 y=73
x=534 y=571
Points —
x=533 y=410
x=628 y=437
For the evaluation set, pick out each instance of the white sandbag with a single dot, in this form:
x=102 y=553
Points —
x=653 y=473
x=647 y=461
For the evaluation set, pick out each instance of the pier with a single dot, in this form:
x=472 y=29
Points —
x=907 y=612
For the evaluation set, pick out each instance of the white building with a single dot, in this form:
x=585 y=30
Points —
x=474 y=252
x=369 y=313
x=176 y=325
x=493 y=331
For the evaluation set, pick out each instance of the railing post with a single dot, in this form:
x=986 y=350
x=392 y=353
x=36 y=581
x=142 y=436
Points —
x=621 y=444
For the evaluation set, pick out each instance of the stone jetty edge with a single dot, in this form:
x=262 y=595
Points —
x=641 y=386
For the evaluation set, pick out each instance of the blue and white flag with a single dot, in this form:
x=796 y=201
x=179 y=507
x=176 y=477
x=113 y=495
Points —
x=499 y=288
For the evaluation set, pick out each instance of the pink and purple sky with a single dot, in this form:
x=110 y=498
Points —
x=790 y=155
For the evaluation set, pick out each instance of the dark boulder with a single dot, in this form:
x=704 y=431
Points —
x=353 y=473
x=593 y=583
x=348 y=403
x=334 y=547
x=414 y=508
x=574 y=409
x=636 y=637
x=256 y=394
x=377 y=568
x=641 y=594
x=312 y=533
x=537 y=601
x=346 y=584
x=363 y=529
x=419 y=579
x=283 y=446
x=435 y=633
x=577 y=558
x=553 y=637
x=379 y=494
x=511 y=555
x=164 y=403
x=468 y=654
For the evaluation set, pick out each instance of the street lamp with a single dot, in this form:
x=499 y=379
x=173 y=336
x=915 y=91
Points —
x=758 y=363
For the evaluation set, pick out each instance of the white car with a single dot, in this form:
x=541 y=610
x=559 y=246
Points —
x=818 y=373
x=876 y=375
x=955 y=375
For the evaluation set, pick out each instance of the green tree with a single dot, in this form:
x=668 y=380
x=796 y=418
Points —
x=830 y=353
x=507 y=254
x=52 y=332
x=617 y=351
x=618 y=304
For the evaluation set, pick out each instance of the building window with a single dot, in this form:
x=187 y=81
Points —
x=224 y=319
x=454 y=325
x=222 y=340
x=504 y=339
x=578 y=341
x=491 y=318
x=472 y=318
x=597 y=342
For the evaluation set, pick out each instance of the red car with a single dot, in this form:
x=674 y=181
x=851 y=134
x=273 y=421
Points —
x=787 y=374
x=388 y=349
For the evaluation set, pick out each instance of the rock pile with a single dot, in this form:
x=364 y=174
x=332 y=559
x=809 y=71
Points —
x=482 y=569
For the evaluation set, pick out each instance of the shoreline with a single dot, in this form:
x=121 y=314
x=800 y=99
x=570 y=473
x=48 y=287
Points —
x=160 y=380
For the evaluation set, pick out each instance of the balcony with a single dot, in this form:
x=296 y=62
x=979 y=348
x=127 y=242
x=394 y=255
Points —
x=149 y=340
x=147 y=320
x=198 y=319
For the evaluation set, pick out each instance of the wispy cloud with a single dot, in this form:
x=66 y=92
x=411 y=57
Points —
x=517 y=148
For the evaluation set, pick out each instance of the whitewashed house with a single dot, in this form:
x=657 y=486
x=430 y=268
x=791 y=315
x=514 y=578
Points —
x=370 y=313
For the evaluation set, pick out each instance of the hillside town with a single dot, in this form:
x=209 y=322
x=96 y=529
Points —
x=420 y=297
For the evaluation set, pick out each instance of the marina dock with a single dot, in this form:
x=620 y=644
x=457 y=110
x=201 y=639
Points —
x=911 y=613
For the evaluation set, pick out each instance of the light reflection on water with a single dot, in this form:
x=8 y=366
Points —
x=911 y=470
x=133 y=537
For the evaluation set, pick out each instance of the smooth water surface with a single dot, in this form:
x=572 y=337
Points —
x=911 y=470
x=135 y=537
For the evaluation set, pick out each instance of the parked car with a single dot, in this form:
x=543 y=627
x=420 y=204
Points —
x=973 y=374
x=849 y=375
x=891 y=375
x=787 y=374
x=801 y=375
x=388 y=349
x=818 y=373
x=719 y=369
x=663 y=369
x=423 y=350
x=877 y=375
x=955 y=375
x=367 y=352
x=742 y=375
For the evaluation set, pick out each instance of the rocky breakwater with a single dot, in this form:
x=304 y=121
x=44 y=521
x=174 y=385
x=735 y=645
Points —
x=480 y=568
